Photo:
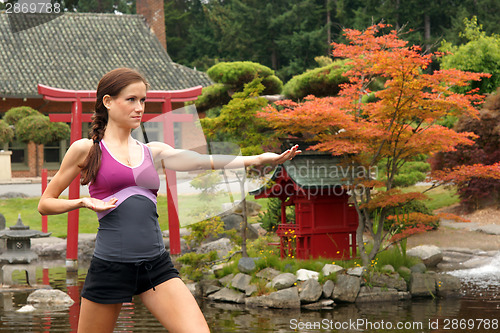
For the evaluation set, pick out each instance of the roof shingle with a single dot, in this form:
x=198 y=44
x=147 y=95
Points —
x=74 y=50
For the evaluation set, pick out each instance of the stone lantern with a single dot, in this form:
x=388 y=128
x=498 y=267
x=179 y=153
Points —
x=18 y=249
x=18 y=252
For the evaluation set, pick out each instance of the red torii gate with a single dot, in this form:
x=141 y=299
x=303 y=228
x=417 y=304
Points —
x=76 y=97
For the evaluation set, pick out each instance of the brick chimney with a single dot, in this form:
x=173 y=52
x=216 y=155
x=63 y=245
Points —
x=152 y=10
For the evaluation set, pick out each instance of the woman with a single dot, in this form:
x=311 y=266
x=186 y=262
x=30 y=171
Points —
x=129 y=257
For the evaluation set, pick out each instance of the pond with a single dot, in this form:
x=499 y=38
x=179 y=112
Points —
x=476 y=311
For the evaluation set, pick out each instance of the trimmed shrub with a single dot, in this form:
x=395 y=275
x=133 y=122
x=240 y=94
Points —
x=320 y=82
x=212 y=96
x=231 y=77
x=6 y=133
x=237 y=73
x=12 y=116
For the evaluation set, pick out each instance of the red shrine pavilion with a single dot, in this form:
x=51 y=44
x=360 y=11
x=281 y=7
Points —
x=325 y=222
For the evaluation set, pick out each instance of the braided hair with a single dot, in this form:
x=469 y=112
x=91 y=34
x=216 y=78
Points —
x=112 y=83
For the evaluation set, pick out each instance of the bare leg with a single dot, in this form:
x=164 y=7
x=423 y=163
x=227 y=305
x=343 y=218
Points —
x=175 y=307
x=97 y=318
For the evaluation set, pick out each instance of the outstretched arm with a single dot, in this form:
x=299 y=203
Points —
x=187 y=160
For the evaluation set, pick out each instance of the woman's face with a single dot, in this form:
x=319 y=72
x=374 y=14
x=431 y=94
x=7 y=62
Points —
x=127 y=108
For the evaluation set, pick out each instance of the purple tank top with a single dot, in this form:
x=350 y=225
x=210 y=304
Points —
x=130 y=232
x=117 y=180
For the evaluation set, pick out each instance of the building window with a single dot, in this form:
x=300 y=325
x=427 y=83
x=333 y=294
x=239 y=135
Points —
x=19 y=157
x=53 y=153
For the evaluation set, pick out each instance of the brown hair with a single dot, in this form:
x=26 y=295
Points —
x=112 y=83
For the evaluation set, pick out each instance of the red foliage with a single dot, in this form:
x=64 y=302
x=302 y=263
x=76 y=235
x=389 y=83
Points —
x=450 y=216
x=418 y=229
x=478 y=185
x=392 y=198
x=400 y=123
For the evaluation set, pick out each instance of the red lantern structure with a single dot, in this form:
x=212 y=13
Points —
x=325 y=222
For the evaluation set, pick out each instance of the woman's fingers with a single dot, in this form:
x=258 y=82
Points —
x=98 y=205
x=291 y=153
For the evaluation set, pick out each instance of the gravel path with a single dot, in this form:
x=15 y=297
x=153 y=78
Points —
x=482 y=232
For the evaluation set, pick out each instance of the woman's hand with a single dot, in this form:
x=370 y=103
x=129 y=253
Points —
x=272 y=158
x=98 y=205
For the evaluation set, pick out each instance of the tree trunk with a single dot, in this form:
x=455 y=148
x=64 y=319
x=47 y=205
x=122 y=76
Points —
x=328 y=26
x=427 y=32
x=244 y=215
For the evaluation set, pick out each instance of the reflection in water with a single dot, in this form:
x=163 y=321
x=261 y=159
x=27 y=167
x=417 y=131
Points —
x=479 y=302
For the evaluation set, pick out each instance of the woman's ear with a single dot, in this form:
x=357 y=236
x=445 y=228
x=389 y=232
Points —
x=106 y=100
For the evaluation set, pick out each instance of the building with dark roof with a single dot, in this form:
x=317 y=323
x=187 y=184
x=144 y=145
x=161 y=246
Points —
x=323 y=223
x=73 y=51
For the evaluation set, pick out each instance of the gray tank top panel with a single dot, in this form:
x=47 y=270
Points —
x=130 y=233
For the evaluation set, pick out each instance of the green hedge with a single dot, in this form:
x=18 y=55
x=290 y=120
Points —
x=320 y=82
x=238 y=73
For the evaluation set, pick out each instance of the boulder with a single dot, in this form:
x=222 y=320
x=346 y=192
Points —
x=311 y=291
x=26 y=308
x=356 y=271
x=227 y=295
x=226 y=279
x=404 y=270
x=346 y=288
x=260 y=231
x=324 y=304
x=285 y=299
x=241 y=281
x=207 y=287
x=388 y=269
x=305 y=274
x=222 y=246
x=43 y=298
x=422 y=284
x=268 y=273
x=388 y=281
x=49 y=247
x=418 y=268
x=211 y=289
x=331 y=268
x=193 y=288
x=283 y=281
x=246 y=265
x=431 y=255
x=377 y=294
x=447 y=285
x=232 y=221
x=328 y=288
x=250 y=290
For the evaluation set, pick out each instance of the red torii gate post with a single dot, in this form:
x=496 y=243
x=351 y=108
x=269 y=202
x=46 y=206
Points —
x=76 y=97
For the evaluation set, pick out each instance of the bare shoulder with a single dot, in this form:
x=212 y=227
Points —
x=79 y=149
x=82 y=145
x=159 y=148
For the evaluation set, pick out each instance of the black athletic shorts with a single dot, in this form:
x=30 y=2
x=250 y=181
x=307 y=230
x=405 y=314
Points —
x=110 y=282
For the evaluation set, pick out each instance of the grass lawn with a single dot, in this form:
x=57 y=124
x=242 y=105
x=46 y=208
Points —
x=57 y=224
x=438 y=198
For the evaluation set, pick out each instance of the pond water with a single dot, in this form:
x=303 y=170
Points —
x=476 y=311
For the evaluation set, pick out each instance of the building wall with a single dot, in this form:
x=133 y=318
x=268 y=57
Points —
x=152 y=10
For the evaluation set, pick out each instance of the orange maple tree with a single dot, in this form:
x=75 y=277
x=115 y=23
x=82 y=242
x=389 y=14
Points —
x=397 y=123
